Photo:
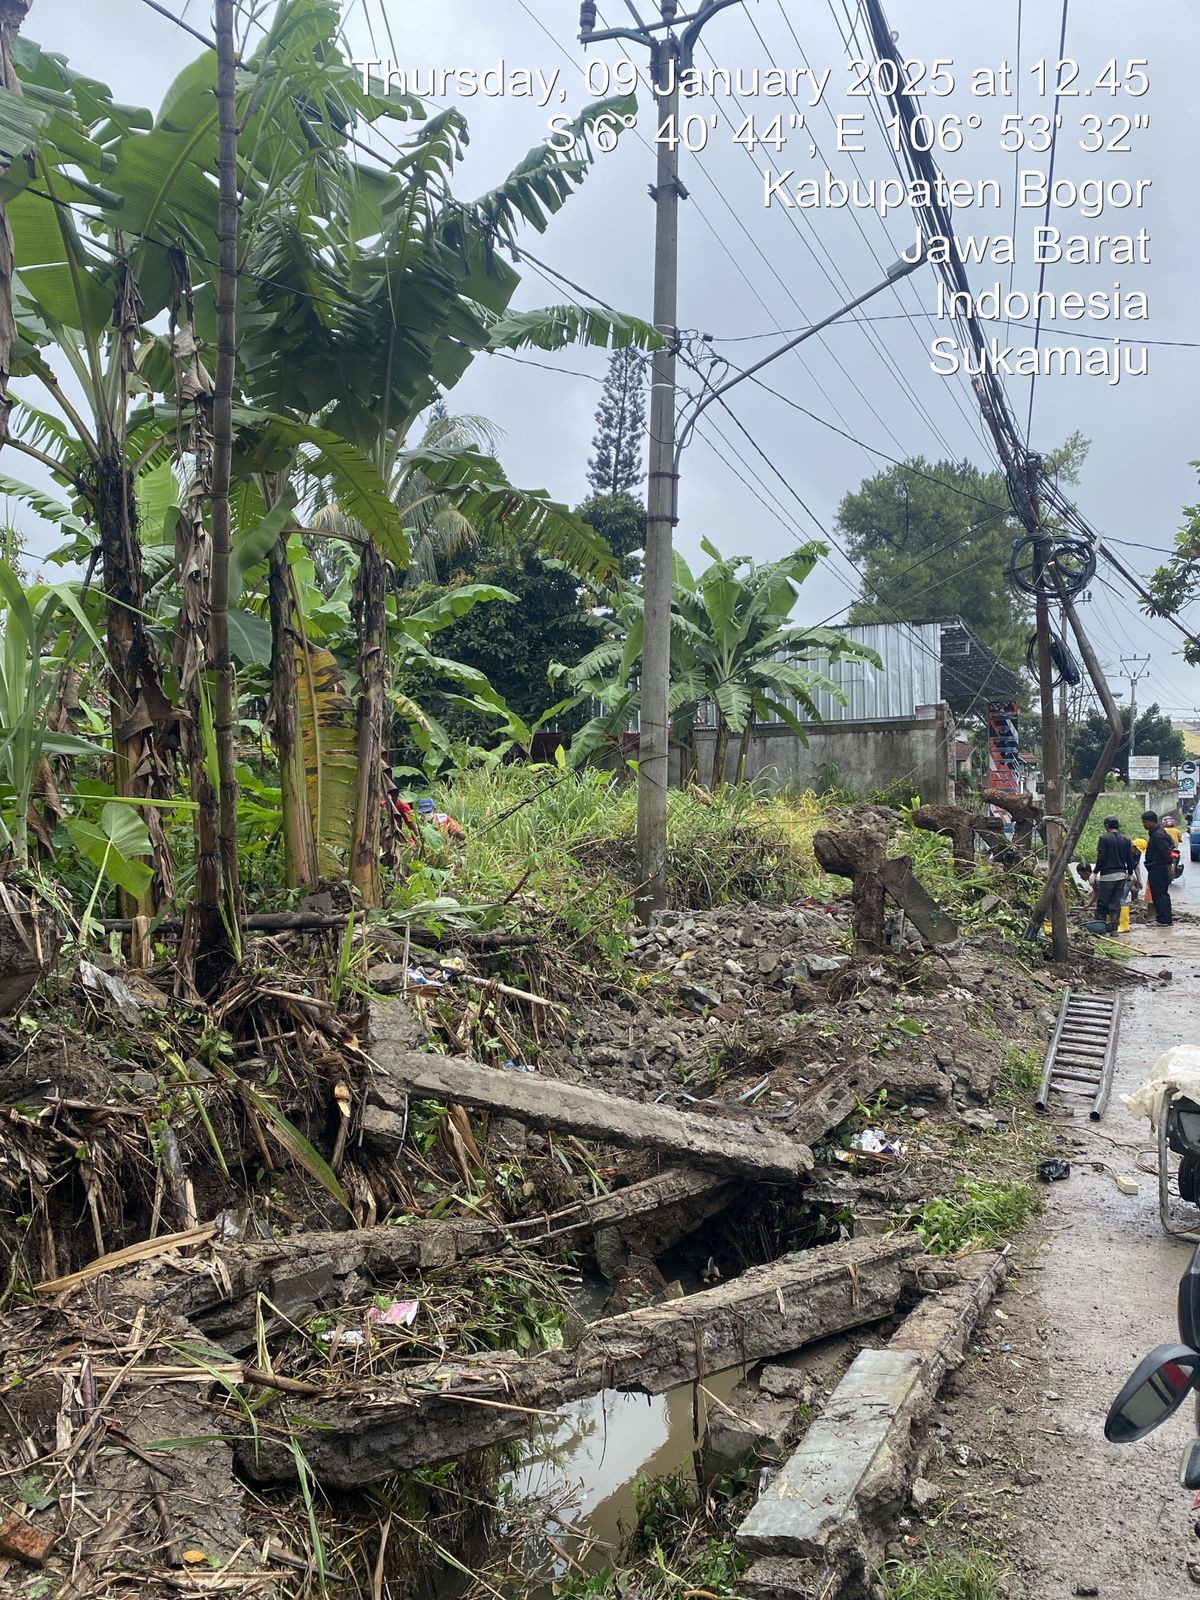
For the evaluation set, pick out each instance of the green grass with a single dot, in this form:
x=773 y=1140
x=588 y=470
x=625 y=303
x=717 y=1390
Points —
x=1021 y=1070
x=1120 y=803
x=978 y=1214
x=971 y=1577
x=566 y=841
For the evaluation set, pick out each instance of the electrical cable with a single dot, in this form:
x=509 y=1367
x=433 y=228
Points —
x=908 y=316
x=1037 y=336
x=907 y=286
x=1012 y=266
x=868 y=333
x=739 y=267
x=850 y=40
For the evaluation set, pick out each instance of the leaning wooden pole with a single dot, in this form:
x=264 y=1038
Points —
x=224 y=693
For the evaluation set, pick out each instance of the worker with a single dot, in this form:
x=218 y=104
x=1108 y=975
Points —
x=1117 y=862
x=1159 y=857
x=1084 y=879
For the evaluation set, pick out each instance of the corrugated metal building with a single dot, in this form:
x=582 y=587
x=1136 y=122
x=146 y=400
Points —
x=911 y=674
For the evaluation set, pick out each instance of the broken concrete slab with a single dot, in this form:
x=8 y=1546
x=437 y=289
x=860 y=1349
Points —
x=297 y=1273
x=441 y=1410
x=844 y=1549
x=690 y=1138
x=930 y=921
x=813 y=1500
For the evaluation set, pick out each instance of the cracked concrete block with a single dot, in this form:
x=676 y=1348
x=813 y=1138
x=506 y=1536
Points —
x=817 y=1492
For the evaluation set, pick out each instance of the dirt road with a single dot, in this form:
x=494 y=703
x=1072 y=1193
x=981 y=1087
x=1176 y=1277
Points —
x=1104 y=1520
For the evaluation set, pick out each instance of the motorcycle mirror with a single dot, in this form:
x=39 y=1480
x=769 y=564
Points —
x=1155 y=1391
x=1189 y=1304
x=1189 y=1474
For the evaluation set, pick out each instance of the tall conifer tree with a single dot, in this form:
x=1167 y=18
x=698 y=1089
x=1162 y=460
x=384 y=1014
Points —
x=616 y=467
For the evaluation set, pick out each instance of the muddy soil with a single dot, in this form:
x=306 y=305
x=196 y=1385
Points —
x=1019 y=1452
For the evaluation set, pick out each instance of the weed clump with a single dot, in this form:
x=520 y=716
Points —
x=979 y=1214
x=961 y=1577
x=1021 y=1070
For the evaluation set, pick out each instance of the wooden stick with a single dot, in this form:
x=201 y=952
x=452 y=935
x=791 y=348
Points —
x=143 y=1251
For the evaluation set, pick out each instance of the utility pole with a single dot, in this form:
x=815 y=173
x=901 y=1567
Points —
x=672 y=45
x=1135 y=668
x=1064 y=740
x=1051 y=755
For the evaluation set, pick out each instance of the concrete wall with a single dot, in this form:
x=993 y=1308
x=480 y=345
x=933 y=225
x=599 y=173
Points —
x=916 y=752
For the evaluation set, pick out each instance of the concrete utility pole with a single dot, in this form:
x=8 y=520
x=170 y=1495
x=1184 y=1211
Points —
x=1135 y=668
x=672 y=45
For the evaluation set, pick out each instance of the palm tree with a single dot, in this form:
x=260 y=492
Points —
x=733 y=646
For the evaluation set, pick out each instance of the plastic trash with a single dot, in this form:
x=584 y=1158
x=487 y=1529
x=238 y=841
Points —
x=108 y=986
x=1127 y=1185
x=516 y=1066
x=875 y=1142
x=400 y=1314
x=422 y=980
x=1054 y=1170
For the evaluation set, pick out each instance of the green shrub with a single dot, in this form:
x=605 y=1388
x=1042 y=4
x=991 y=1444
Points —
x=979 y=1214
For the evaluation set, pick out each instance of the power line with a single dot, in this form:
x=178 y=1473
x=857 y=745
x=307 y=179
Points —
x=1037 y=334
x=908 y=316
x=877 y=343
x=1012 y=268
x=907 y=286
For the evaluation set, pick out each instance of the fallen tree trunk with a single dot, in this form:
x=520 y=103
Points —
x=685 y=1137
x=1026 y=815
x=956 y=824
x=440 y=1411
x=302 y=1271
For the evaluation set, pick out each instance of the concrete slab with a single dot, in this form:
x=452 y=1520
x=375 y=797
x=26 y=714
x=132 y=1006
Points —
x=848 y=1445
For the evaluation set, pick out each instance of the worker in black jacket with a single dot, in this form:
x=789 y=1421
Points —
x=1159 y=859
x=1117 y=859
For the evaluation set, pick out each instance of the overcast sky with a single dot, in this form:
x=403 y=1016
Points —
x=751 y=271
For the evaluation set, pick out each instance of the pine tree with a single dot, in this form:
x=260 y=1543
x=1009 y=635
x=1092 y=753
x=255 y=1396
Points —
x=616 y=467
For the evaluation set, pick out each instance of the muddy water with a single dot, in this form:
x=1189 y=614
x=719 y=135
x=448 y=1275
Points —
x=585 y=1471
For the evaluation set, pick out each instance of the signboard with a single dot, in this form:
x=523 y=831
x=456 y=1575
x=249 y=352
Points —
x=1188 y=776
x=1143 y=769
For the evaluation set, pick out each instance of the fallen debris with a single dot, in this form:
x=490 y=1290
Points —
x=811 y=1504
x=442 y=1410
x=21 y=1539
x=861 y=856
x=298 y=1273
x=824 y=1520
x=685 y=1137
x=926 y=916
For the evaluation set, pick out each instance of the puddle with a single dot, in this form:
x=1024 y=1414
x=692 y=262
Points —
x=584 y=1472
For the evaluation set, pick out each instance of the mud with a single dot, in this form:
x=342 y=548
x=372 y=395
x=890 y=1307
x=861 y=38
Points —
x=1020 y=1458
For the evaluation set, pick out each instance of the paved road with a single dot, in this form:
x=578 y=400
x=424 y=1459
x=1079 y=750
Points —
x=1114 y=1521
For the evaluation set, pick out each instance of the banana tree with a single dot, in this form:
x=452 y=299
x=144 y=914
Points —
x=23 y=124
x=330 y=727
x=734 y=647
x=46 y=631
x=108 y=198
x=419 y=291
